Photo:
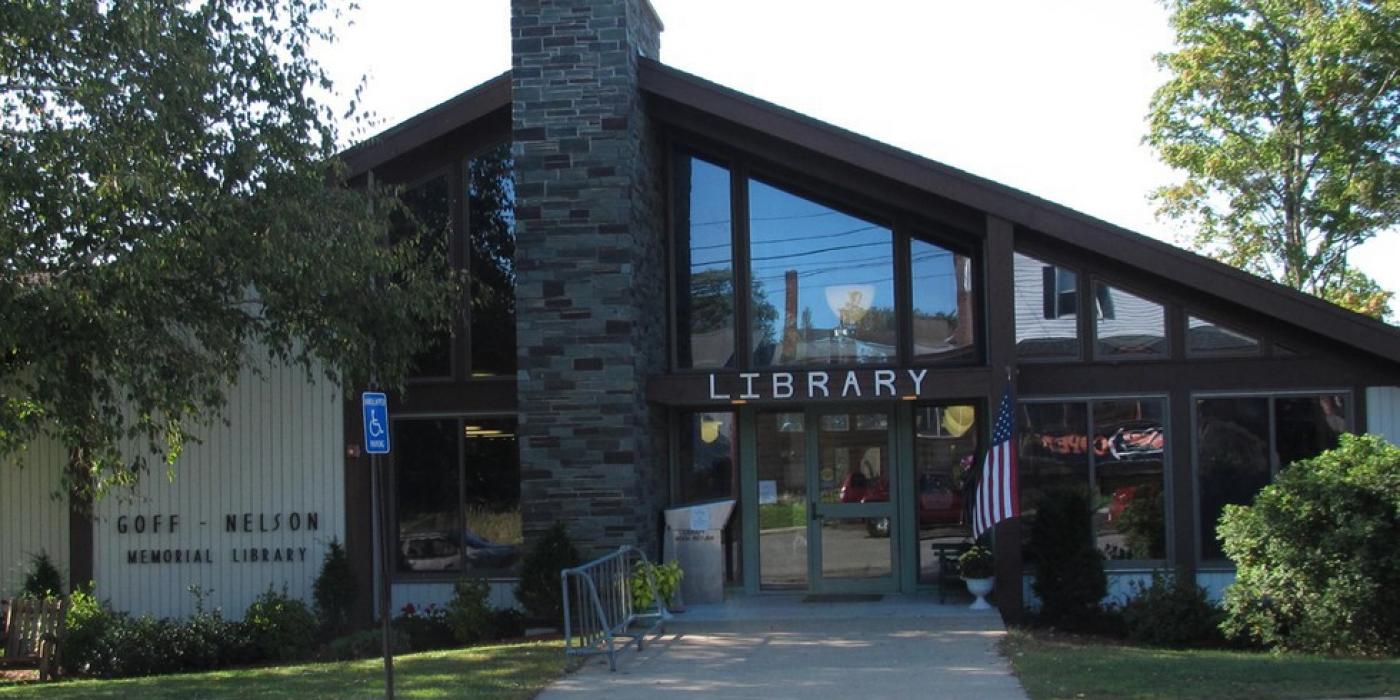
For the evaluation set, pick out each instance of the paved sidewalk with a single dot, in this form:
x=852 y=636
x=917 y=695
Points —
x=786 y=649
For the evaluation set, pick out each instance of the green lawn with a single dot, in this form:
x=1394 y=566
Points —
x=1066 y=667
x=500 y=672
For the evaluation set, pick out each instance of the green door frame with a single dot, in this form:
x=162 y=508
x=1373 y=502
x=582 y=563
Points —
x=819 y=511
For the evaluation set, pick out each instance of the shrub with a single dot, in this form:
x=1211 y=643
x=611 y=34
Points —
x=280 y=628
x=1172 y=612
x=468 y=614
x=540 y=590
x=1316 y=560
x=1069 y=575
x=426 y=628
x=668 y=578
x=334 y=592
x=88 y=621
x=977 y=562
x=364 y=645
x=42 y=579
x=507 y=623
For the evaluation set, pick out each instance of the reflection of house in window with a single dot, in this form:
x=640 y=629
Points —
x=1060 y=295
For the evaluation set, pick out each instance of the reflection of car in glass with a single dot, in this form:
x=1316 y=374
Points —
x=1137 y=441
x=437 y=551
x=939 y=502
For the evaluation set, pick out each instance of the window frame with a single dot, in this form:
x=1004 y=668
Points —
x=1169 y=495
x=1080 y=331
x=391 y=491
x=1194 y=397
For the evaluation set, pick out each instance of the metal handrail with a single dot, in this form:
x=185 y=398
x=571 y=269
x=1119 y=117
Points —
x=598 y=605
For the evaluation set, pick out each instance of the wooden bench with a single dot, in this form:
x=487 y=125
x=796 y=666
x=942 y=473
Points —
x=33 y=635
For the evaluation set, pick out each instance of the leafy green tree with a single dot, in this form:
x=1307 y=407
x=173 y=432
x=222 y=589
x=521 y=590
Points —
x=171 y=212
x=1285 y=117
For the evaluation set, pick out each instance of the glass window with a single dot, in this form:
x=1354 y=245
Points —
x=704 y=268
x=823 y=283
x=943 y=301
x=491 y=207
x=1232 y=459
x=1129 y=448
x=1129 y=326
x=1207 y=338
x=457 y=495
x=1047 y=325
x=1307 y=425
x=427 y=218
x=1053 y=455
x=707 y=458
x=945 y=453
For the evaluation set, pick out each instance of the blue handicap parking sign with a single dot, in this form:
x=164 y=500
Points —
x=376 y=406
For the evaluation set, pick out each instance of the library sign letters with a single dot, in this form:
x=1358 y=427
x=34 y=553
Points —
x=817 y=384
x=245 y=537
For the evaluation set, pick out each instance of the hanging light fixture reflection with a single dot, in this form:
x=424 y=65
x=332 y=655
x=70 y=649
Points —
x=709 y=429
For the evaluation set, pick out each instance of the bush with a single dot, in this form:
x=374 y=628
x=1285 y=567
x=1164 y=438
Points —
x=364 y=645
x=468 y=614
x=334 y=592
x=1172 y=612
x=280 y=628
x=42 y=579
x=1316 y=561
x=540 y=590
x=507 y=623
x=426 y=628
x=1069 y=575
x=88 y=621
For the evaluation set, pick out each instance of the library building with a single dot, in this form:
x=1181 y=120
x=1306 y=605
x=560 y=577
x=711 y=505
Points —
x=679 y=293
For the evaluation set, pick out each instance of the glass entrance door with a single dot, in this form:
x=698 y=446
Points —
x=826 y=500
x=851 y=470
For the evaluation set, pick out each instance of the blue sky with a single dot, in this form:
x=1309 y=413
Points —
x=1047 y=97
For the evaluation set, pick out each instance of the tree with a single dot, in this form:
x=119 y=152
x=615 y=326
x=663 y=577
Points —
x=1285 y=117
x=171 y=211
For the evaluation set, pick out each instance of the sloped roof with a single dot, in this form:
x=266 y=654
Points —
x=1061 y=223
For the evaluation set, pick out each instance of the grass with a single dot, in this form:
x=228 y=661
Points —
x=1055 y=666
x=497 y=672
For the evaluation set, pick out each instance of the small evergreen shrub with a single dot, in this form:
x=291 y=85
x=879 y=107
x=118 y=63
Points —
x=280 y=628
x=334 y=592
x=1172 y=612
x=1317 y=565
x=41 y=579
x=366 y=644
x=1069 y=575
x=426 y=628
x=540 y=590
x=468 y=614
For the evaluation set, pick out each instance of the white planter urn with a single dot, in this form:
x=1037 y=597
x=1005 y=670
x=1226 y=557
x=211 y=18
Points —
x=979 y=587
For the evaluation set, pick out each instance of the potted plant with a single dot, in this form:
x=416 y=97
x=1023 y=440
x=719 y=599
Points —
x=977 y=567
x=668 y=579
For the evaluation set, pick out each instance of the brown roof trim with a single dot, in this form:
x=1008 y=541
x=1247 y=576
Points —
x=425 y=126
x=1059 y=222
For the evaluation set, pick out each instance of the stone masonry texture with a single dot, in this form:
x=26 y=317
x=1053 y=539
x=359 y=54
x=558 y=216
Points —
x=590 y=269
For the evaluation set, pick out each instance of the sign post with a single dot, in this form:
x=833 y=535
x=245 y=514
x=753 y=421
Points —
x=376 y=422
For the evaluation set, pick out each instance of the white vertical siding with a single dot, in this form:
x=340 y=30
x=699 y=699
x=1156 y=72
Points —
x=33 y=514
x=1215 y=583
x=1122 y=586
x=1383 y=412
x=280 y=453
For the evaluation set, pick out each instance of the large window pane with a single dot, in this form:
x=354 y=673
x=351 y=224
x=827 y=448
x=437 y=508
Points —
x=704 y=267
x=823 y=283
x=1307 y=425
x=1047 y=319
x=493 y=537
x=781 y=444
x=1128 y=325
x=1054 y=454
x=707 y=458
x=428 y=220
x=428 y=490
x=945 y=452
x=1129 y=446
x=943 y=301
x=491 y=203
x=1232 y=459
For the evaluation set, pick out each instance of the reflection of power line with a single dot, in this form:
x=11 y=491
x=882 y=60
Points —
x=922 y=257
x=790 y=217
x=789 y=240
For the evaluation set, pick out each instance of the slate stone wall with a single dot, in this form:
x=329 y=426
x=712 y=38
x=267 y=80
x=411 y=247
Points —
x=590 y=270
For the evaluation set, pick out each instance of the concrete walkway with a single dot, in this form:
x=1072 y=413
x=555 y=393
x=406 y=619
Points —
x=782 y=648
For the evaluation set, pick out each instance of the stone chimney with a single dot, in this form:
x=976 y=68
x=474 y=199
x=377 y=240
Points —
x=590 y=266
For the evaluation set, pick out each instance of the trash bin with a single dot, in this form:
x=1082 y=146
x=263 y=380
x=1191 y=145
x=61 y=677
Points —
x=694 y=538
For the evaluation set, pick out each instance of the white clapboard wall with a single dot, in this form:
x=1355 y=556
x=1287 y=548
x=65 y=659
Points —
x=32 y=520
x=1383 y=412
x=274 y=474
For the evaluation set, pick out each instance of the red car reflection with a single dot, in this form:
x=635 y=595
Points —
x=939 y=502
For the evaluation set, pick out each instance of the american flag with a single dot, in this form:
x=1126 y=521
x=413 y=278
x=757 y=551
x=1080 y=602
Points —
x=997 y=495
